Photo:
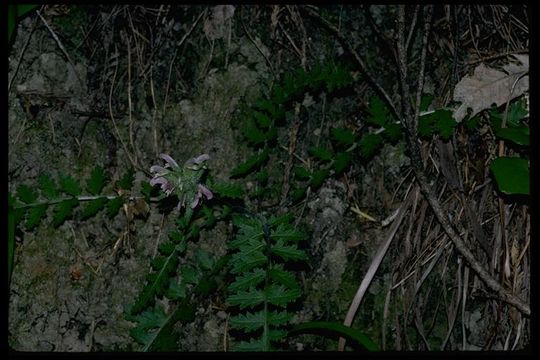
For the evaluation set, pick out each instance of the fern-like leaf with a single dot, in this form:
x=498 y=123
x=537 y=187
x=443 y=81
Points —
x=288 y=252
x=97 y=181
x=157 y=282
x=35 y=214
x=245 y=299
x=48 y=187
x=229 y=190
x=113 y=206
x=279 y=295
x=250 y=164
x=69 y=185
x=343 y=136
x=93 y=207
x=247 y=280
x=26 y=194
x=63 y=210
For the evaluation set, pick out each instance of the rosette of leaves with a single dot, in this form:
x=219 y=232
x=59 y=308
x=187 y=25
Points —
x=263 y=288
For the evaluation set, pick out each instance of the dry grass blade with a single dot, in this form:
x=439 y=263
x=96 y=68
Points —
x=374 y=266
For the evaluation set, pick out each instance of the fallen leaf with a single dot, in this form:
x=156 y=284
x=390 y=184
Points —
x=489 y=86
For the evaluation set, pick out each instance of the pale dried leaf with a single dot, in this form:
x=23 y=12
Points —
x=488 y=86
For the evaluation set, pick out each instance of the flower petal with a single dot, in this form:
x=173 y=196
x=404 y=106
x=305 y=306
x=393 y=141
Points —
x=169 y=160
x=197 y=160
x=196 y=200
x=158 y=180
x=205 y=191
x=159 y=170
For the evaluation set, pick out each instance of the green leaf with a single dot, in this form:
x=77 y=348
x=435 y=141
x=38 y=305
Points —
x=176 y=291
x=253 y=133
x=249 y=321
x=279 y=295
x=262 y=119
x=228 y=190
x=444 y=123
x=286 y=233
x=281 y=276
x=247 y=280
x=369 y=144
x=166 y=248
x=271 y=134
x=301 y=173
x=190 y=275
x=126 y=182
x=517 y=112
x=343 y=136
x=93 y=207
x=321 y=153
x=252 y=345
x=286 y=218
x=70 y=186
x=425 y=102
x=157 y=282
x=340 y=329
x=511 y=175
x=63 y=210
x=250 y=164
x=48 y=187
x=246 y=260
x=288 y=252
x=342 y=162
x=204 y=260
x=425 y=125
x=245 y=299
x=378 y=112
x=26 y=194
x=393 y=132
x=318 y=177
x=97 y=181
x=298 y=194
x=35 y=214
x=518 y=135
x=113 y=206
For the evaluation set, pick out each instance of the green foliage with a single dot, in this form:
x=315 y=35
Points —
x=154 y=328
x=338 y=329
x=63 y=210
x=318 y=177
x=227 y=190
x=26 y=194
x=126 y=182
x=511 y=175
x=343 y=136
x=69 y=185
x=250 y=164
x=369 y=144
x=96 y=182
x=34 y=204
x=378 y=112
x=93 y=207
x=262 y=285
x=438 y=122
x=47 y=186
x=321 y=153
x=342 y=162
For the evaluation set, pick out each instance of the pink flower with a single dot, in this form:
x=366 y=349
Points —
x=201 y=191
